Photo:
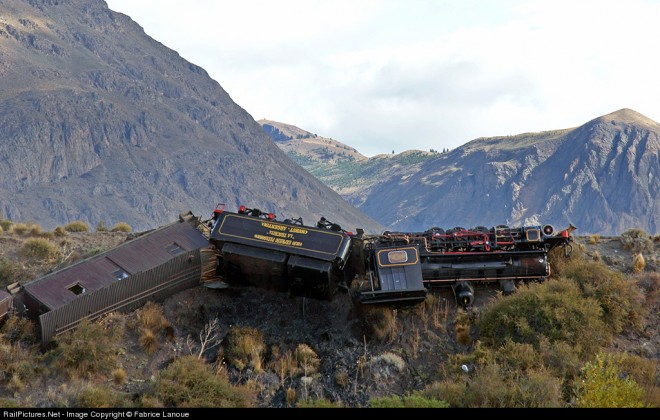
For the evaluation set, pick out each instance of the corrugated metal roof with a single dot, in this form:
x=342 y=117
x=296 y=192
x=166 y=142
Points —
x=137 y=255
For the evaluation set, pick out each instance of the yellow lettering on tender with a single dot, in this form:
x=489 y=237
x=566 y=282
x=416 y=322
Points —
x=278 y=234
x=298 y=230
x=264 y=238
x=273 y=226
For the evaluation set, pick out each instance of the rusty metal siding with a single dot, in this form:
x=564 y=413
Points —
x=96 y=273
x=180 y=273
x=6 y=303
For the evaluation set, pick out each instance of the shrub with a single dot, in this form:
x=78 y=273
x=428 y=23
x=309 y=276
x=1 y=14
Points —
x=620 y=300
x=188 y=382
x=8 y=271
x=119 y=376
x=98 y=396
x=17 y=329
x=494 y=386
x=319 y=403
x=101 y=227
x=594 y=239
x=151 y=316
x=244 y=347
x=379 y=322
x=603 y=387
x=148 y=340
x=35 y=230
x=6 y=224
x=18 y=365
x=21 y=228
x=122 y=227
x=307 y=359
x=60 y=231
x=554 y=309
x=85 y=351
x=151 y=324
x=636 y=240
x=40 y=249
x=638 y=263
x=76 y=226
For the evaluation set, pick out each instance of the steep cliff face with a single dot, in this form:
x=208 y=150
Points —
x=98 y=121
x=602 y=177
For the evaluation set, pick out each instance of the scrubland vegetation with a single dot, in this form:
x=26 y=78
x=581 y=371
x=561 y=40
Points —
x=549 y=344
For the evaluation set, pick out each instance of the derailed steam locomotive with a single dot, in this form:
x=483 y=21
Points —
x=400 y=267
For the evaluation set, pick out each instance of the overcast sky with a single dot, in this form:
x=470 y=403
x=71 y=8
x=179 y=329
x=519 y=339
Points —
x=384 y=75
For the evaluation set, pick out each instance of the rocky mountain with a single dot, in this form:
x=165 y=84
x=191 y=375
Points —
x=100 y=122
x=603 y=177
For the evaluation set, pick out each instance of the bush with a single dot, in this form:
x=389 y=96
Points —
x=622 y=303
x=17 y=329
x=99 y=396
x=6 y=224
x=8 y=271
x=151 y=323
x=101 y=227
x=636 y=240
x=122 y=227
x=319 y=403
x=603 y=387
x=40 y=249
x=60 y=231
x=407 y=401
x=20 y=228
x=19 y=366
x=638 y=263
x=244 y=347
x=555 y=309
x=85 y=351
x=76 y=226
x=307 y=359
x=495 y=386
x=188 y=382
x=379 y=322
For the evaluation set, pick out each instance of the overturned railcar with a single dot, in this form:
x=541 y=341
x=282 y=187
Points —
x=286 y=256
x=403 y=265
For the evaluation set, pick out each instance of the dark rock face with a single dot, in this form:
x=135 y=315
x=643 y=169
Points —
x=99 y=122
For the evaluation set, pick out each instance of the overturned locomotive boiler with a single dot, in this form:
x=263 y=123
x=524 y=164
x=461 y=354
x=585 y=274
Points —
x=403 y=265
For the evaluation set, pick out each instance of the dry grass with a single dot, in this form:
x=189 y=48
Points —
x=638 y=263
x=77 y=226
x=40 y=249
x=119 y=376
x=122 y=227
x=307 y=359
x=244 y=347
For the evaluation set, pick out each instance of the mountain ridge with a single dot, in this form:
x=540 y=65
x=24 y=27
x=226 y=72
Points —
x=100 y=122
x=564 y=176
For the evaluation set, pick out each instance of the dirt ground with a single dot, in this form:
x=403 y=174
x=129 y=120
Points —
x=355 y=363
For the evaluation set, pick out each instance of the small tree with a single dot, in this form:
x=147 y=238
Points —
x=604 y=387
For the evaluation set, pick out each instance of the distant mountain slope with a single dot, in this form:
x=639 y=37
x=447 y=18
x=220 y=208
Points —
x=98 y=121
x=603 y=177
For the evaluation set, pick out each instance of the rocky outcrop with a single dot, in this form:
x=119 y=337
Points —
x=100 y=122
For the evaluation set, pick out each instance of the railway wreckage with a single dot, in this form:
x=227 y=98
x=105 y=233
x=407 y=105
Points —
x=250 y=247
x=255 y=249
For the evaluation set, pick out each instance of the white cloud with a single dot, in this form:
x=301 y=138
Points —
x=395 y=75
